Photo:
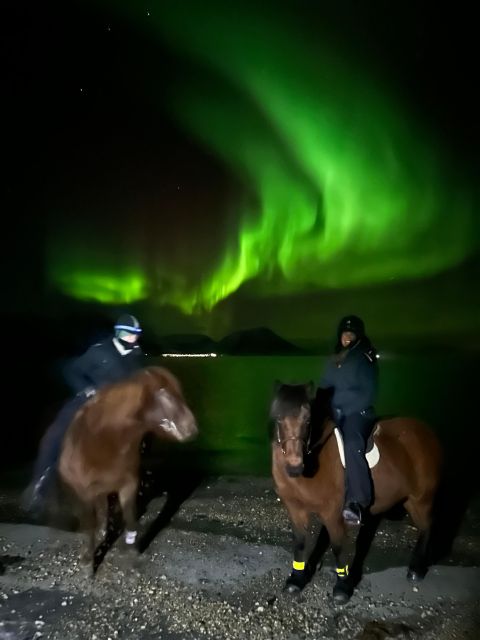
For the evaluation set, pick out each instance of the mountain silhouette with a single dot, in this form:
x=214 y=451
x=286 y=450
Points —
x=188 y=343
x=257 y=341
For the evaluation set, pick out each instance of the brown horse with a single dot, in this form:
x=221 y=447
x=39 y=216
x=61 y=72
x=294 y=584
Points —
x=309 y=479
x=101 y=450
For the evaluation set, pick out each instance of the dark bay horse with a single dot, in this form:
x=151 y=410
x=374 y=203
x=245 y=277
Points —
x=101 y=450
x=309 y=479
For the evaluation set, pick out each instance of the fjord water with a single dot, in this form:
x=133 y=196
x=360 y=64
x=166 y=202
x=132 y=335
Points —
x=230 y=396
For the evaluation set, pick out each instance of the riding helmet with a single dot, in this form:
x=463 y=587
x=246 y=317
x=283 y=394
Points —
x=127 y=323
x=352 y=323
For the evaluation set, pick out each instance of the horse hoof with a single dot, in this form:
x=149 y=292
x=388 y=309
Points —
x=127 y=549
x=340 y=597
x=85 y=560
x=342 y=593
x=415 y=576
x=292 y=588
x=86 y=569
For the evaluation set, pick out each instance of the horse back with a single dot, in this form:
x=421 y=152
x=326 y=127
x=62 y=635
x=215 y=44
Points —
x=411 y=448
x=415 y=435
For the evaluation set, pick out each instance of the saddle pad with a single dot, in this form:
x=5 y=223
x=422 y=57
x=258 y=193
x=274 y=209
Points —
x=372 y=456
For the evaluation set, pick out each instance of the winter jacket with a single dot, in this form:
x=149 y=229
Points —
x=103 y=363
x=353 y=377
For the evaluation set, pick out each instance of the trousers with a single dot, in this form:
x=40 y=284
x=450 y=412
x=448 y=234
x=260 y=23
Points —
x=355 y=429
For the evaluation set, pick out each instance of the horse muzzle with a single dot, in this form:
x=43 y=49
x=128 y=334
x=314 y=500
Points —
x=294 y=471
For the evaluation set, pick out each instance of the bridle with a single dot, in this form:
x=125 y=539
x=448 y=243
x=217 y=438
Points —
x=307 y=447
x=304 y=428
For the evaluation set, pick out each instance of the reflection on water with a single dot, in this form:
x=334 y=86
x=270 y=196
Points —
x=231 y=396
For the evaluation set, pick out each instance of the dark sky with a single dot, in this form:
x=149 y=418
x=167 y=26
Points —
x=90 y=143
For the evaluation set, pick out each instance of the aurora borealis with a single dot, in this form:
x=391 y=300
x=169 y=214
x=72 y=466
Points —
x=340 y=175
x=307 y=171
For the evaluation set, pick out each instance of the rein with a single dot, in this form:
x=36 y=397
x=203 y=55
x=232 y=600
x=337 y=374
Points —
x=321 y=441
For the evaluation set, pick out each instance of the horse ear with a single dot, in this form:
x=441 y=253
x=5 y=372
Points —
x=311 y=390
x=276 y=385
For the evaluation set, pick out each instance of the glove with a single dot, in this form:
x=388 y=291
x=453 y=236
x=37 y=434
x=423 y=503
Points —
x=89 y=392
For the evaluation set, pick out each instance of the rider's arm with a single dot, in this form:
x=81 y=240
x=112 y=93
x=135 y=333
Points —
x=366 y=383
x=79 y=373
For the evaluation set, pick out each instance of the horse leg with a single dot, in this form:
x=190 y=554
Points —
x=420 y=512
x=90 y=523
x=103 y=514
x=343 y=589
x=127 y=498
x=300 y=519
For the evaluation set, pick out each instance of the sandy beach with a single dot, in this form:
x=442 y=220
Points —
x=216 y=569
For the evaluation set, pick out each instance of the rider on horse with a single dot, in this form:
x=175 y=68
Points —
x=352 y=374
x=103 y=363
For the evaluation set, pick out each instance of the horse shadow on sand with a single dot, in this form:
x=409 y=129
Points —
x=169 y=472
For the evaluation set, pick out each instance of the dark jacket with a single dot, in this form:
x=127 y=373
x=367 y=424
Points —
x=353 y=377
x=102 y=364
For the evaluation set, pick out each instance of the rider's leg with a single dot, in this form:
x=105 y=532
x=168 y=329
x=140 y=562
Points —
x=49 y=453
x=355 y=430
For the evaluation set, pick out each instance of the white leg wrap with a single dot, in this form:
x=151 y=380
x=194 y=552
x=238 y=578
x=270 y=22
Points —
x=130 y=537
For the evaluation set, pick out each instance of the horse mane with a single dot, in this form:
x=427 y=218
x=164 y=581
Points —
x=289 y=400
x=160 y=378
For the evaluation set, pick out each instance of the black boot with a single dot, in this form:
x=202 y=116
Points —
x=353 y=513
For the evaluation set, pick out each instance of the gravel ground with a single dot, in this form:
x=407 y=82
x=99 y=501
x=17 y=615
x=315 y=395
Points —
x=216 y=570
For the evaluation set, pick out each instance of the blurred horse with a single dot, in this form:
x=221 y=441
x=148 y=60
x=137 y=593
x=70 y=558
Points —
x=309 y=478
x=101 y=450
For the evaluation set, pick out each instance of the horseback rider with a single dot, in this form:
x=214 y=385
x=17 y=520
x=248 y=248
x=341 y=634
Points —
x=352 y=374
x=103 y=363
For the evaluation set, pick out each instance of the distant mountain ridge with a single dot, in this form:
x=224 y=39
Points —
x=256 y=341
x=187 y=343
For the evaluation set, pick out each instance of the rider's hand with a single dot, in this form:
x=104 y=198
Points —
x=89 y=392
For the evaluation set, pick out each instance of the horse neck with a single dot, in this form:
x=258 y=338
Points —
x=319 y=439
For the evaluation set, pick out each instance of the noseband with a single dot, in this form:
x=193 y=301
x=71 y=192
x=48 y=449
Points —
x=308 y=447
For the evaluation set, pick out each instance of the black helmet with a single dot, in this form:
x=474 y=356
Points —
x=127 y=323
x=351 y=323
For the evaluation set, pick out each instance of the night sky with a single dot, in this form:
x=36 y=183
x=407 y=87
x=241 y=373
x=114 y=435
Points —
x=214 y=166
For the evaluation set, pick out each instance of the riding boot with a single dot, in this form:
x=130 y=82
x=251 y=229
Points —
x=353 y=513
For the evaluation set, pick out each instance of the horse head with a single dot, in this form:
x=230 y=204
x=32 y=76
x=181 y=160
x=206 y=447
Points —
x=291 y=411
x=166 y=411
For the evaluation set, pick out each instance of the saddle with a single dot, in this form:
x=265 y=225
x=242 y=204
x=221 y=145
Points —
x=372 y=453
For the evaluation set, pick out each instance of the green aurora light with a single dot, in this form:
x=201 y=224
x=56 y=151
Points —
x=85 y=270
x=349 y=190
